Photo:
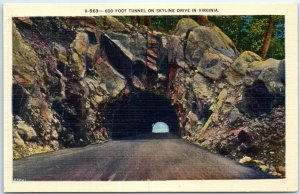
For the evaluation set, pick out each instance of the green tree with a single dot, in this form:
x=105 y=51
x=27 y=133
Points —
x=249 y=32
x=232 y=26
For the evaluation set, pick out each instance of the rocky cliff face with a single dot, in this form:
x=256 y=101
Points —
x=70 y=73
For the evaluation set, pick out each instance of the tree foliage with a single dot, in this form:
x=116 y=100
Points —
x=247 y=32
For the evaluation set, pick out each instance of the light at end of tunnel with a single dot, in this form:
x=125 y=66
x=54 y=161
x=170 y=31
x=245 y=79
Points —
x=160 y=127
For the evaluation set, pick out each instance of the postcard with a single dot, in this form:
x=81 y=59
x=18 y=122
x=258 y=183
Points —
x=150 y=98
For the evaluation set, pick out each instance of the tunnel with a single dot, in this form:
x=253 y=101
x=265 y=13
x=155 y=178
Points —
x=135 y=115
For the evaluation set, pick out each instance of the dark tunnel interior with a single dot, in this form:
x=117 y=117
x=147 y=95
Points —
x=19 y=99
x=134 y=116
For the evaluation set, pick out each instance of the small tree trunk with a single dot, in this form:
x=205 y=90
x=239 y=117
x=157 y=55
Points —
x=203 y=21
x=267 y=39
x=133 y=19
x=136 y=19
x=147 y=20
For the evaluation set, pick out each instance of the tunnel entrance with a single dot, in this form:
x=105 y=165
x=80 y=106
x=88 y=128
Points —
x=136 y=114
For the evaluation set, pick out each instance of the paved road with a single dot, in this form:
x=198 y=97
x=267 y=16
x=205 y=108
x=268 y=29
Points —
x=163 y=158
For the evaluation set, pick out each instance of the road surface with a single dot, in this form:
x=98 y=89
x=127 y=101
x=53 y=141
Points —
x=164 y=158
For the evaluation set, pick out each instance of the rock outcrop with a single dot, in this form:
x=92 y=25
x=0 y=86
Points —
x=68 y=70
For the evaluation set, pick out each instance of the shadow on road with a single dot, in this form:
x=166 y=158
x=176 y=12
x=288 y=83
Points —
x=149 y=136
